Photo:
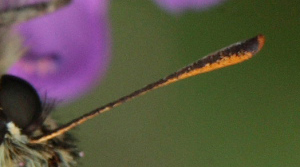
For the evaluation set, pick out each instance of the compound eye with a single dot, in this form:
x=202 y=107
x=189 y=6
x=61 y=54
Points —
x=19 y=101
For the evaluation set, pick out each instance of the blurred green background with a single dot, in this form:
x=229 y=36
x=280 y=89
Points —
x=244 y=115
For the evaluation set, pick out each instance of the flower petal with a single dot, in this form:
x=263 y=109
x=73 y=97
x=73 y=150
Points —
x=68 y=51
x=179 y=6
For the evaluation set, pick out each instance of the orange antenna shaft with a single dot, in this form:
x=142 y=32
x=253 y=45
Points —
x=231 y=55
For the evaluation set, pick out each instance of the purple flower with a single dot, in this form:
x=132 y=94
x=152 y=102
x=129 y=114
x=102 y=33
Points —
x=67 y=51
x=178 y=6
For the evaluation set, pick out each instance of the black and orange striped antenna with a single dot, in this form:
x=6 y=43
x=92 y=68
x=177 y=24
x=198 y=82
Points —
x=230 y=55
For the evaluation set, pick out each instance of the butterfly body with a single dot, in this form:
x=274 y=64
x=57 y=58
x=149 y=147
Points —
x=23 y=118
x=17 y=151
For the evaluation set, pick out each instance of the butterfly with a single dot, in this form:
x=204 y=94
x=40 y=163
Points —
x=30 y=137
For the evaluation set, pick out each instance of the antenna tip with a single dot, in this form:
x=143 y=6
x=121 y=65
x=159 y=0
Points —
x=261 y=41
x=252 y=45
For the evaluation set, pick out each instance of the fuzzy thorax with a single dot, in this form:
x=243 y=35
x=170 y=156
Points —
x=15 y=151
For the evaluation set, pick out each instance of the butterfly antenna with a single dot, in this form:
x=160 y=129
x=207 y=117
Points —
x=231 y=55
